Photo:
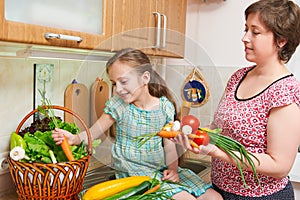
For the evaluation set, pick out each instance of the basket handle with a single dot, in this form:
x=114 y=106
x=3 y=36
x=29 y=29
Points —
x=63 y=109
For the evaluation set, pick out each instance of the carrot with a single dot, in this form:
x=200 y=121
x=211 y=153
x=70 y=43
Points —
x=152 y=190
x=193 y=136
x=167 y=134
x=193 y=144
x=67 y=149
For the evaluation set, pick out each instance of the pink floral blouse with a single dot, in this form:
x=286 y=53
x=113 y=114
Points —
x=245 y=120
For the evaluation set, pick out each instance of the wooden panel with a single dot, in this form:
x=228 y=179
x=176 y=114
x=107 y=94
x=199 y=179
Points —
x=133 y=24
x=175 y=11
x=34 y=34
x=76 y=99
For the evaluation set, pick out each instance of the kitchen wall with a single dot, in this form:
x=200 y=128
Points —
x=213 y=44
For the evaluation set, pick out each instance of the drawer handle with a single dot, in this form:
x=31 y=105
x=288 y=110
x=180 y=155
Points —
x=165 y=30
x=62 y=37
x=157 y=45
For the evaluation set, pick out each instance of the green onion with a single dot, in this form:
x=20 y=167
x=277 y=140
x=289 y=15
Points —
x=231 y=147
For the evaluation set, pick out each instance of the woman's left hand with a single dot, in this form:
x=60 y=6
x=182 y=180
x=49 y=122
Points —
x=183 y=140
x=170 y=174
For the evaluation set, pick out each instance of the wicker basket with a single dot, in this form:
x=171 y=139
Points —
x=59 y=181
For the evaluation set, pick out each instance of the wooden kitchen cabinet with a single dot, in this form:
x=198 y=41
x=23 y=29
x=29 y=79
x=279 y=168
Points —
x=14 y=31
x=157 y=26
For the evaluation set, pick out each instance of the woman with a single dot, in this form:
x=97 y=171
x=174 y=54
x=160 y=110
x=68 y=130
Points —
x=260 y=107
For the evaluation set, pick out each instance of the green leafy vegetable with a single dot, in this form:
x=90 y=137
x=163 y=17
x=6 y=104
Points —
x=235 y=150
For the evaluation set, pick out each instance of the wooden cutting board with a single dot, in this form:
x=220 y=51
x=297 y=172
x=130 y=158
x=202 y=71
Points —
x=99 y=96
x=76 y=99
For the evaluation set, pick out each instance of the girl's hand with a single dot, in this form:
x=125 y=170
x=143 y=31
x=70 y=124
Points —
x=170 y=174
x=58 y=137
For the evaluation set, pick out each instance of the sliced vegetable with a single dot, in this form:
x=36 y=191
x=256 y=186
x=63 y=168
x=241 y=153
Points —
x=109 y=188
x=192 y=121
x=187 y=129
x=176 y=126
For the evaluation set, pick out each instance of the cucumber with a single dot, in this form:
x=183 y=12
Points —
x=140 y=189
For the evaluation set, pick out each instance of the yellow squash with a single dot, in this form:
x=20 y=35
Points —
x=109 y=188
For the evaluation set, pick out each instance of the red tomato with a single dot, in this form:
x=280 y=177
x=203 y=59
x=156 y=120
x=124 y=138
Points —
x=204 y=138
x=192 y=121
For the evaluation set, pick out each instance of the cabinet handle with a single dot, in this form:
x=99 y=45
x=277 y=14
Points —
x=165 y=30
x=157 y=29
x=62 y=37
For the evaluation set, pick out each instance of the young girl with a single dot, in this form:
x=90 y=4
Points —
x=142 y=105
x=261 y=106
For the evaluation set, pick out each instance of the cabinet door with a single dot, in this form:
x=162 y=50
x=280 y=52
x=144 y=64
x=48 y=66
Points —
x=134 y=24
x=31 y=33
x=173 y=37
x=140 y=24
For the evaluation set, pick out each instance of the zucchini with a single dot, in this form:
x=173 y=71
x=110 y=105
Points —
x=112 y=187
x=140 y=189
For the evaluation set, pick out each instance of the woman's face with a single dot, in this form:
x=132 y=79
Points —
x=258 y=41
x=126 y=82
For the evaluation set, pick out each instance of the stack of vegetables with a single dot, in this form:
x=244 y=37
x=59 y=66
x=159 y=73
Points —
x=35 y=143
x=129 y=188
x=190 y=125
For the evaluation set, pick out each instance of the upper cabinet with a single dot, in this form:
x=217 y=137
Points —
x=157 y=26
x=80 y=24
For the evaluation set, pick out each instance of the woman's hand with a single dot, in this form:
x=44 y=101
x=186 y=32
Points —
x=183 y=140
x=171 y=175
x=58 y=137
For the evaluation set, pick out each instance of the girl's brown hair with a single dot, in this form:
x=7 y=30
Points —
x=141 y=63
x=282 y=17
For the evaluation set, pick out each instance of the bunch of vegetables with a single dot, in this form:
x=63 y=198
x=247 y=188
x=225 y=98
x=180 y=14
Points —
x=35 y=143
x=190 y=126
x=129 y=188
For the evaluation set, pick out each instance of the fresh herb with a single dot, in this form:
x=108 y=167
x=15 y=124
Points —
x=235 y=150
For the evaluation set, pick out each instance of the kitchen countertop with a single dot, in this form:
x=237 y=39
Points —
x=11 y=194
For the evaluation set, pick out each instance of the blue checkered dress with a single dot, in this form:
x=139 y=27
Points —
x=131 y=160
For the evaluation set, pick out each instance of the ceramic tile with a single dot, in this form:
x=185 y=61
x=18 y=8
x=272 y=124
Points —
x=15 y=91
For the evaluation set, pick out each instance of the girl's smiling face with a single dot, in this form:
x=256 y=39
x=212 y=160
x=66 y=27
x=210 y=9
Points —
x=126 y=82
x=258 y=41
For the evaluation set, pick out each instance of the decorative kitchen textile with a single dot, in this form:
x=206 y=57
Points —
x=195 y=89
x=131 y=160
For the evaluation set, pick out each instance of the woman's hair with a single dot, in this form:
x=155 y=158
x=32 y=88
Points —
x=282 y=17
x=141 y=63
